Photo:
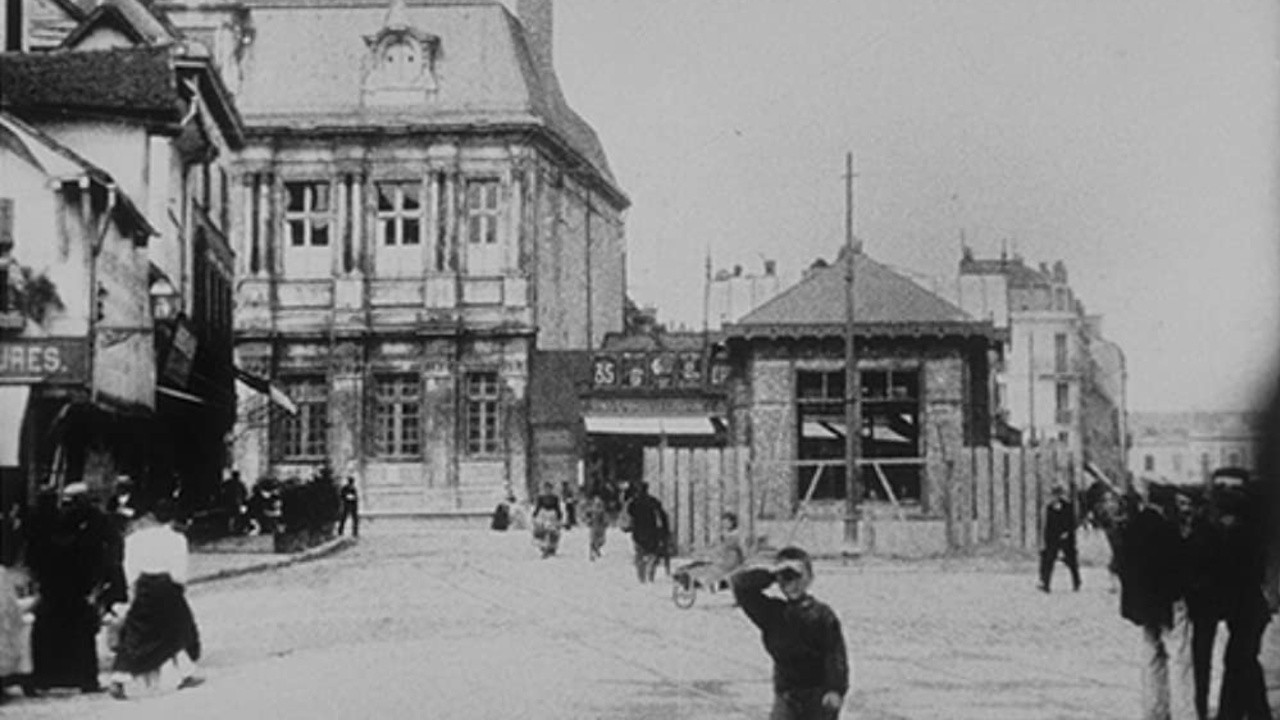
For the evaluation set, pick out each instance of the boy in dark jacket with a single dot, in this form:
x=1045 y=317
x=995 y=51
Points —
x=801 y=634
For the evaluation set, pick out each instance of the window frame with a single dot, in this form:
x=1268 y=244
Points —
x=483 y=219
x=308 y=216
x=304 y=436
x=398 y=216
x=483 y=412
x=397 y=430
x=819 y=394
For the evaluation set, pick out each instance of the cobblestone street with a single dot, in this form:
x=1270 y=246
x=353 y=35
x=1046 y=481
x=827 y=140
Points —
x=471 y=624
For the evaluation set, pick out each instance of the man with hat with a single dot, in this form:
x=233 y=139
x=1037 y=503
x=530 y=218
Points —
x=1059 y=539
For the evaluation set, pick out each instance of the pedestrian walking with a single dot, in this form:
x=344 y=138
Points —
x=650 y=530
x=800 y=633
x=69 y=561
x=570 y=495
x=350 y=507
x=1242 y=563
x=15 y=635
x=1059 y=539
x=547 y=519
x=158 y=642
x=1153 y=598
x=596 y=515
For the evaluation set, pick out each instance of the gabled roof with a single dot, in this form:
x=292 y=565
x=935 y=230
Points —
x=137 y=20
x=488 y=78
x=63 y=164
x=885 y=303
x=129 y=82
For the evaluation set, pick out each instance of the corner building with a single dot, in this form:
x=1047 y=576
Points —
x=418 y=212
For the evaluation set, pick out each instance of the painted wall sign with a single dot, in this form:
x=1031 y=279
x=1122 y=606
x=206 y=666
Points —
x=58 y=360
x=657 y=370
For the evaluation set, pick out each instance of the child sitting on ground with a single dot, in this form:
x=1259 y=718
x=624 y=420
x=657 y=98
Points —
x=801 y=634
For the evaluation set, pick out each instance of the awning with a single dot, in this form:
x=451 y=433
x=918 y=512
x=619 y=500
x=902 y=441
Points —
x=670 y=425
x=13 y=406
x=268 y=388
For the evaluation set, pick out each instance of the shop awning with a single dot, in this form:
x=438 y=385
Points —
x=670 y=425
x=268 y=388
x=13 y=406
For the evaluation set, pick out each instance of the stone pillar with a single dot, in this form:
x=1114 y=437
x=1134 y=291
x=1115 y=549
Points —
x=346 y=407
x=773 y=436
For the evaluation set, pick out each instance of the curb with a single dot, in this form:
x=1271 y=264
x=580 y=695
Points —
x=322 y=550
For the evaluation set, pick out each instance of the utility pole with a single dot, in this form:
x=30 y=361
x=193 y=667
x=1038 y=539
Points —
x=852 y=384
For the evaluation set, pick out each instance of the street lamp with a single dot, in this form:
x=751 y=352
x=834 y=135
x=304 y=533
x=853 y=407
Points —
x=165 y=301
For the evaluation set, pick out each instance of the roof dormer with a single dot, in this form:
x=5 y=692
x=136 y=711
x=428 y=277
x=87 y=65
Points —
x=400 y=68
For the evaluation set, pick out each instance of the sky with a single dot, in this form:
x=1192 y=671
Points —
x=1135 y=141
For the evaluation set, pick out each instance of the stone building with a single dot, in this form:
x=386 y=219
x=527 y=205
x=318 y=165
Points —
x=1061 y=380
x=417 y=214
x=924 y=371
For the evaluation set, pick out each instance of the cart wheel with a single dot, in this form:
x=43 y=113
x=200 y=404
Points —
x=684 y=595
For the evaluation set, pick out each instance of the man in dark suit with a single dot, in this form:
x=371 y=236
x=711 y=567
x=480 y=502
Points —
x=1059 y=539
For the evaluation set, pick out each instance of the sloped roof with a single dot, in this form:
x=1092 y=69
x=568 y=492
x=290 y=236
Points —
x=133 y=81
x=62 y=163
x=487 y=75
x=885 y=302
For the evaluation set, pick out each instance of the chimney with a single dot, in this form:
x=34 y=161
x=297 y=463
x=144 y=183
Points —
x=536 y=17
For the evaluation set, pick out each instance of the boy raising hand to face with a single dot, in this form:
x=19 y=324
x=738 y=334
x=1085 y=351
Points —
x=801 y=634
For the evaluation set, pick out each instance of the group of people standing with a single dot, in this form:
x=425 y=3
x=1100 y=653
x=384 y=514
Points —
x=1188 y=561
x=73 y=569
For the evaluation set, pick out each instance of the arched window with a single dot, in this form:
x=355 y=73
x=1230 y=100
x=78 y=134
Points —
x=401 y=62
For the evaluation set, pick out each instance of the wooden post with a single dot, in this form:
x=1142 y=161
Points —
x=982 y=487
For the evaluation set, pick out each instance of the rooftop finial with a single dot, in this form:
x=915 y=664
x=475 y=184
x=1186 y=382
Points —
x=397 y=16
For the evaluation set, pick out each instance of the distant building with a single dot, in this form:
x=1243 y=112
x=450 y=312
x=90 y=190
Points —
x=1184 y=448
x=1060 y=380
x=734 y=293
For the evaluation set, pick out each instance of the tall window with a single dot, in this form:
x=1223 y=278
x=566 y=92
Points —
x=398 y=414
x=1062 y=402
x=482 y=212
x=482 y=413
x=306 y=435
x=891 y=432
x=307 y=213
x=399 y=213
x=1060 y=353
x=820 y=450
x=1149 y=463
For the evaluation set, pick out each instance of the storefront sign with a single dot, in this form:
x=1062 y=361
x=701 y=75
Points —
x=59 y=360
x=656 y=371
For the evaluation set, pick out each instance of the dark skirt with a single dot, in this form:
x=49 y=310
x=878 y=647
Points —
x=158 y=625
x=63 y=653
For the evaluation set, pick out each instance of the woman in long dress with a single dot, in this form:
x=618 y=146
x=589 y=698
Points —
x=158 y=643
